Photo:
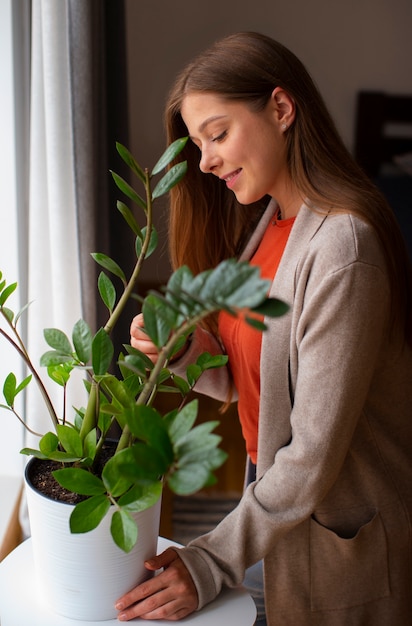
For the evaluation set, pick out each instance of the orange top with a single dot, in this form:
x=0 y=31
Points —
x=243 y=343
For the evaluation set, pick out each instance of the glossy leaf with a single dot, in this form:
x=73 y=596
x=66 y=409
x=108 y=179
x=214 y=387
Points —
x=129 y=218
x=124 y=530
x=58 y=340
x=183 y=421
x=108 y=264
x=79 y=481
x=88 y=514
x=82 y=340
x=158 y=320
x=52 y=357
x=102 y=352
x=170 y=153
x=189 y=479
x=170 y=179
x=48 y=443
x=141 y=497
x=130 y=161
x=272 y=307
x=147 y=425
x=129 y=191
x=60 y=374
x=70 y=440
x=115 y=482
x=9 y=389
x=6 y=293
x=107 y=291
x=153 y=243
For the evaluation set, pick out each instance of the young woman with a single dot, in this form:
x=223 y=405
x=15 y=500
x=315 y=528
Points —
x=325 y=394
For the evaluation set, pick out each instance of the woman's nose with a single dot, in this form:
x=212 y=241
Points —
x=208 y=161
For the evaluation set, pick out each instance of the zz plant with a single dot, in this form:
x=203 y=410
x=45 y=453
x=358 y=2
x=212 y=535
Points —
x=152 y=448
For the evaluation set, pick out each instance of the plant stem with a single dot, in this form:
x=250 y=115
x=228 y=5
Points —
x=36 y=376
x=128 y=290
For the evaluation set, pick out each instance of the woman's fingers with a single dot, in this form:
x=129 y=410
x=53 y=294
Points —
x=139 y=339
x=169 y=595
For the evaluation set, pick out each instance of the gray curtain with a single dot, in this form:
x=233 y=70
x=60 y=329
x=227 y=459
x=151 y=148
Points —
x=100 y=114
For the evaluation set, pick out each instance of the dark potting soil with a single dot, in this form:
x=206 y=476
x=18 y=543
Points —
x=41 y=477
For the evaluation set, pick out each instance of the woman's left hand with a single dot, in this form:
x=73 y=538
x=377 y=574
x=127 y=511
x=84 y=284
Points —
x=170 y=595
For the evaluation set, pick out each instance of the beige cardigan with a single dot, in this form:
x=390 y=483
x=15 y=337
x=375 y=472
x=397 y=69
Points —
x=331 y=509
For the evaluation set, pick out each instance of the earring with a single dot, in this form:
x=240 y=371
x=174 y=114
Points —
x=284 y=126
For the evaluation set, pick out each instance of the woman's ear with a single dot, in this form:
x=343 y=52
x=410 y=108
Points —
x=284 y=107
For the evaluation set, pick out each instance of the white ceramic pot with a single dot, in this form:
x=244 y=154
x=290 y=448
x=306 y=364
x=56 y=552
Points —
x=81 y=576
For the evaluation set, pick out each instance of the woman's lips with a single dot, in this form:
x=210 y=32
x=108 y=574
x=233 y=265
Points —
x=231 y=178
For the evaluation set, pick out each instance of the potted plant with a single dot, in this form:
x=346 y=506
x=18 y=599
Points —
x=109 y=483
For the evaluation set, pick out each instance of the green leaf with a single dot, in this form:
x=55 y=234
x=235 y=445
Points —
x=90 y=444
x=255 y=323
x=188 y=479
x=102 y=352
x=153 y=243
x=115 y=482
x=129 y=218
x=82 y=340
x=197 y=438
x=183 y=421
x=130 y=161
x=32 y=452
x=88 y=514
x=118 y=390
x=147 y=425
x=170 y=179
x=145 y=463
x=24 y=383
x=107 y=291
x=138 y=362
x=7 y=293
x=182 y=385
x=70 y=440
x=141 y=497
x=193 y=372
x=159 y=320
x=129 y=191
x=52 y=357
x=272 y=307
x=79 y=481
x=110 y=265
x=8 y=314
x=9 y=389
x=58 y=340
x=206 y=361
x=170 y=153
x=124 y=530
x=60 y=374
x=48 y=443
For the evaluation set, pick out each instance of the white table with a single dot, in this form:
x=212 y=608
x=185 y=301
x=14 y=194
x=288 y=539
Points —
x=19 y=605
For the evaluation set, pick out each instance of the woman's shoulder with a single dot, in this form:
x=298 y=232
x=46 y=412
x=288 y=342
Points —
x=345 y=238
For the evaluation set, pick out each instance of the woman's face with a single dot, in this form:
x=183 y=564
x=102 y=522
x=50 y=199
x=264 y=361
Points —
x=244 y=148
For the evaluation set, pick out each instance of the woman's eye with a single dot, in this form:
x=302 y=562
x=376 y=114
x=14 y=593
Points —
x=220 y=137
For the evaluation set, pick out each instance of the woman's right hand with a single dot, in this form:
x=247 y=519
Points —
x=140 y=340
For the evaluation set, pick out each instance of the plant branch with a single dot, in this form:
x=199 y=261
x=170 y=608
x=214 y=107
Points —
x=36 y=376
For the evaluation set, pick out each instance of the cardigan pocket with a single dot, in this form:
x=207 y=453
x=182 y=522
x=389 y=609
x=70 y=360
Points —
x=347 y=572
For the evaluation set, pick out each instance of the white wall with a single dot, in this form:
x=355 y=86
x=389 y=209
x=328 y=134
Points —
x=346 y=45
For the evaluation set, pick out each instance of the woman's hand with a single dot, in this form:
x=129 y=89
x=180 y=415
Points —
x=170 y=595
x=140 y=340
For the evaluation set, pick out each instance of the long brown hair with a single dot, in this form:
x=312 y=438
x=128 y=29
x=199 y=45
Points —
x=207 y=224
